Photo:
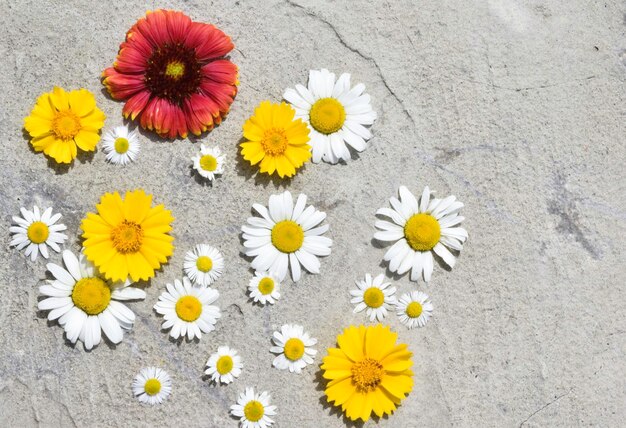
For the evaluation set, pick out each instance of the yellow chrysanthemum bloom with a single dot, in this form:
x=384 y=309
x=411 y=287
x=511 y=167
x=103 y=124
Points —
x=276 y=140
x=128 y=237
x=368 y=373
x=61 y=121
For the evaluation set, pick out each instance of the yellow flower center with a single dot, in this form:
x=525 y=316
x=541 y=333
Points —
x=127 y=237
x=91 y=295
x=294 y=349
x=266 y=286
x=188 y=308
x=414 y=309
x=65 y=125
x=327 y=115
x=275 y=141
x=175 y=70
x=422 y=232
x=253 y=411
x=224 y=364
x=367 y=374
x=121 y=145
x=287 y=236
x=152 y=386
x=204 y=264
x=38 y=232
x=208 y=163
x=374 y=297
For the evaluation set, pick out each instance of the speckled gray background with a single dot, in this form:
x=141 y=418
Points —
x=516 y=107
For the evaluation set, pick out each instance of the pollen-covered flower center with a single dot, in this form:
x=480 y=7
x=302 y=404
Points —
x=173 y=73
x=422 y=232
x=327 y=115
x=188 y=308
x=224 y=365
x=367 y=374
x=38 y=232
x=294 y=349
x=121 y=145
x=204 y=264
x=91 y=295
x=65 y=125
x=208 y=163
x=374 y=297
x=152 y=386
x=414 y=309
x=275 y=141
x=253 y=411
x=287 y=236
x=127 y=237
x=266 y=286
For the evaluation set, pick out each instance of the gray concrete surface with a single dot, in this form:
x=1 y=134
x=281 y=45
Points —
x=516 y=107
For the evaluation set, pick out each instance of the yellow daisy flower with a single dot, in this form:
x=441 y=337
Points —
x=368 y=373
x=128 y=237
x=61 y=121
x=276 y=140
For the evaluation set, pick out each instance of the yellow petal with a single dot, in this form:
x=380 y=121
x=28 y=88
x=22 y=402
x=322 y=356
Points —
x=351 y=342
x=379 y=341
x=397 y=385
x=82 y=102
x=41 y=143
x=137 y=205
x=93 y=121
x=37 y=126
x=111 y=209
x=340 y=392
x=87 y=140
x=59 y=98
x=252 y=131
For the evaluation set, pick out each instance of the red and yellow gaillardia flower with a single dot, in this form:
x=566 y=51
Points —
x=128 y=237
x=368 y=373
x=172 y=74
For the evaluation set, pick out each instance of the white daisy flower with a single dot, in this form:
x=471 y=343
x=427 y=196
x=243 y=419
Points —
x=286 y=235
x=36 y=232
x=120 y=145
x=85 y=303
x=264 y=288
x=209 y=162
x=294 y=348
x=414 y=309
x=187 y=310
x=224 y=365
x=335 y=113
x=152 y=385
x=420 y=229
x=375 y=295
x=253 y=410
x=203 y=265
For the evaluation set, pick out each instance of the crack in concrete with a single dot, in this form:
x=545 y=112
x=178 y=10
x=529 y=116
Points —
x=545 y=406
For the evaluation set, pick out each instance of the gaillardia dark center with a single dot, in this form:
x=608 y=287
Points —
x=173 y=73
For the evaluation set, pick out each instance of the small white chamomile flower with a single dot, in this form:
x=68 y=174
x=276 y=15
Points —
x=209 y=162
x=414 y=309
x=224 y=365
x=375 y=295
x=264 y=288
x=293 y=345
x=203 y=265
x=152 y=385
x=253 y=410
x=120 y=145
x=36 y=232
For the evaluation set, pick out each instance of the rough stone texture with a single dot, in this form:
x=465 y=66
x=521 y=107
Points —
x=516 y=107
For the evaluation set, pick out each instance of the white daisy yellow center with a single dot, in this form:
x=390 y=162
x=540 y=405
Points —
x=208 y=163
x=38 y=232
x=287 y=236
x=91 y=295
x=327 y=115
x=374 y=297
x=65 y=125
x=204 y=264
x=127 y=237
x=414 y=309
x=275 y=141
x=266 y=286
x=152 y=386
x=367 y=374
x=224 y=365
x=175 y=70
x=121 y=145
x=188 y=308
x=422 y=232
x=253 y=410
x=294 y=349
